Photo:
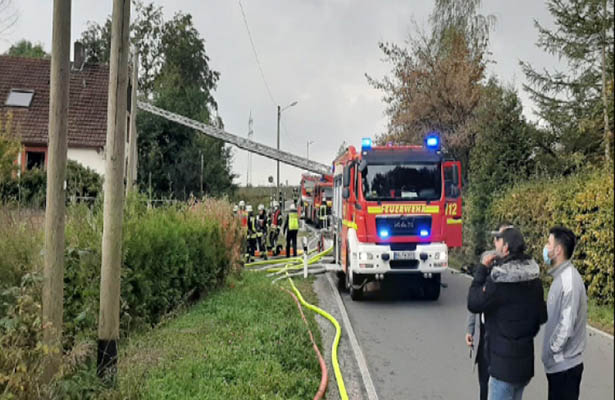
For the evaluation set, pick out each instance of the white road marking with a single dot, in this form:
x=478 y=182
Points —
x=358 y=353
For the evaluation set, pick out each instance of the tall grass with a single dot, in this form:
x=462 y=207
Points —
x=171 y=255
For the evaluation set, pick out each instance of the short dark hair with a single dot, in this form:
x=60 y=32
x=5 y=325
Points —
x=565 y=238
x=514 y=239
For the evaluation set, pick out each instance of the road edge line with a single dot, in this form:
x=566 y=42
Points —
x=354 y=343
x=591 y=328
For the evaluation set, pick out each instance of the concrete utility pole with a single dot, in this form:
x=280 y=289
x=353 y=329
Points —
x=53 y=284
x=109 y=319
x=133 y=153
x=294 y=103
x=278 y=162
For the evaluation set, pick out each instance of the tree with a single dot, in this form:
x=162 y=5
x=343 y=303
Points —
x=25 y=48
x=436 y=80
x=575 y=104
x=502 y=154
x=174 y=75
x=10 y=147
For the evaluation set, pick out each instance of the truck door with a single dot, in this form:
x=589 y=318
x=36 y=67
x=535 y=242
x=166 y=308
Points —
x=452 y=210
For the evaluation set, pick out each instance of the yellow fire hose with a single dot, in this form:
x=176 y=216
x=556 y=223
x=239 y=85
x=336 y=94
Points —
x=338 y=334
x=296 y=263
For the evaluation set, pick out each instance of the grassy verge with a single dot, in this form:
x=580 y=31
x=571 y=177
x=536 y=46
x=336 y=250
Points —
x=601 y=316
x=246 y=341
x=598 y=316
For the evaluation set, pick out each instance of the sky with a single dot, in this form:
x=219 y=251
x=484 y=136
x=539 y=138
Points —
x=314 y=52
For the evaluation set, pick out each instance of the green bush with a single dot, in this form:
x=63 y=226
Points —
x=171 y=255
x=583 y=203
x=30 y=188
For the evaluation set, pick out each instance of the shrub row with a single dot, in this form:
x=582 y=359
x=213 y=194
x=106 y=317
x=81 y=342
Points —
x=30 y=187
x=583 y=203
x=170 y=255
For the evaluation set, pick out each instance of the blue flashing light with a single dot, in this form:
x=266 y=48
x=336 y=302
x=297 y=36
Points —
x=424 y=233
x=366 y=143
x=432 y=142
x=383 y=234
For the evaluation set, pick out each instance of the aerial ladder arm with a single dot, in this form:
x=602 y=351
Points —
x=242 y=143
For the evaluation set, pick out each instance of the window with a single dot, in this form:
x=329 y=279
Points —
x=19 y=98
x=35 y=159
x=402 y=182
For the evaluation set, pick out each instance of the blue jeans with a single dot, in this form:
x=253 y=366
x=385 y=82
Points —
x=500 y=390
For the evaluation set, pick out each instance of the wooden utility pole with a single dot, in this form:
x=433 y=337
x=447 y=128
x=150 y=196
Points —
x=53 y=284
x=131 y=174
x=109 y=318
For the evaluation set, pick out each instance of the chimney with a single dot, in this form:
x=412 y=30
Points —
x=79 y=56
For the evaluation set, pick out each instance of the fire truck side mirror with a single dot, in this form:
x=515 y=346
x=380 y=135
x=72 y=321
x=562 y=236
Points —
x=362 y=165
x=346 y=180
x=346 y=193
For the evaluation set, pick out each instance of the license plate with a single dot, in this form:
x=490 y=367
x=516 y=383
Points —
x=403 y=255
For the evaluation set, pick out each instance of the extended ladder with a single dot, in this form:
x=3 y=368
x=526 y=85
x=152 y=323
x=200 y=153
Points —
x=242 y=143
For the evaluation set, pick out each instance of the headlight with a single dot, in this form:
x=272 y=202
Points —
x=366 y=256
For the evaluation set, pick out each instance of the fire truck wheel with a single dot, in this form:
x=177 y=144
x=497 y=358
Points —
x=355 y=294
x=341 y=281
x=432 y=287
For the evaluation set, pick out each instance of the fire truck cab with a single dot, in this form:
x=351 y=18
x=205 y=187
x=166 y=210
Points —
x=396 y=212
x=305 y=206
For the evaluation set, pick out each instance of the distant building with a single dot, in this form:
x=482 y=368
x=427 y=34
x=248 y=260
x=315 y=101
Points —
x=24 y=93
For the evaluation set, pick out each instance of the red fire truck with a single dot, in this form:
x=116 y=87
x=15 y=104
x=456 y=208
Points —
x=304 y=207
x=322 y=196
x=396 y=212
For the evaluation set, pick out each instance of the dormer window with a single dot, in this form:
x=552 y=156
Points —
x=19 y=98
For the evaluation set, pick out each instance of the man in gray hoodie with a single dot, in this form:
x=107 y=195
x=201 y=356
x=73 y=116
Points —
x=565 y=334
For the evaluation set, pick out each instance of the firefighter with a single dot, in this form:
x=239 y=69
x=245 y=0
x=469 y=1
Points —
x=276 y=220
x=251 y=234
x=291 y=227
x=243 y=213
x=322 y=215
x=261 y=230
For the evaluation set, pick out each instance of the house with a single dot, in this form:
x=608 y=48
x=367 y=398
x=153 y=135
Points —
x=24 y=94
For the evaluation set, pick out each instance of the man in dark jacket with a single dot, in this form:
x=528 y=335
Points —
x=508 y=291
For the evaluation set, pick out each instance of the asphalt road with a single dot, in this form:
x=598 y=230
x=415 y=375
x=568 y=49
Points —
x=415 y=349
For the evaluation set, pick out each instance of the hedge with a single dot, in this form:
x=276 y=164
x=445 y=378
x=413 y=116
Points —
x=583 y=203
x=171 y=255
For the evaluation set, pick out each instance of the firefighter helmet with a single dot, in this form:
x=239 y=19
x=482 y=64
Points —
x=249 y=208
x=261 y=207
x=242 y=204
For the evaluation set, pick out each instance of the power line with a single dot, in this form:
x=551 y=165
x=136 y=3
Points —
x=260 y=68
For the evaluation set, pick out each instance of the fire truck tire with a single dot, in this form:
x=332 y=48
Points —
x=355 y=294
x=341 y=281
x=432 y=287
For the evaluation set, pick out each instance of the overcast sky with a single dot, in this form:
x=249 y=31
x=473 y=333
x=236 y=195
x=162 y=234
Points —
x=315 y=52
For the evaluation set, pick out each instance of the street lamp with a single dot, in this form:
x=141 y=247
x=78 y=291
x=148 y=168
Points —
x=294 y=103
x=309 y=142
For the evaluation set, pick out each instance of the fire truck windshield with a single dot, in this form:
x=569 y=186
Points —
x=402 y=182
